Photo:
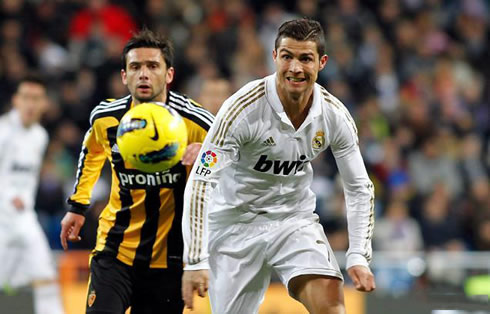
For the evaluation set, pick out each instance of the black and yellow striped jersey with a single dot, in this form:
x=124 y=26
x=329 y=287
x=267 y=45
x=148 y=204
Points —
x=141 y=224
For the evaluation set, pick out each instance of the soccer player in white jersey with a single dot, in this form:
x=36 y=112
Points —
x=248 y=204
x=24 y=251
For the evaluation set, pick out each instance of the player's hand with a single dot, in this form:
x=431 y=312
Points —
x=362 y=278
x=194 y=280
x=191 y=153
x=70 y=228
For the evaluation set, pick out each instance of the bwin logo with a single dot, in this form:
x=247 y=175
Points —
x=280 y=167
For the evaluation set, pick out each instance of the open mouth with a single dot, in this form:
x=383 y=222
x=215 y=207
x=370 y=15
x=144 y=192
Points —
x=296 y=79
x=144 y=87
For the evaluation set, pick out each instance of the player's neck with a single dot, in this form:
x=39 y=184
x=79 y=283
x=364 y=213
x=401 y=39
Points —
x=24 y=122
x=296 y=108
x=161 y=99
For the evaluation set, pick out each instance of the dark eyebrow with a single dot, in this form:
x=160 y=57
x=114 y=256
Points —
x=285 y=50
x=144 y=62
x=309 y=54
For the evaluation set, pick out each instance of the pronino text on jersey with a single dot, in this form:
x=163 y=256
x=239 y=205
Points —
x=139 y=180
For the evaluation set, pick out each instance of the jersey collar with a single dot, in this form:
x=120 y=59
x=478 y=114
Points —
x=275 y=102
x=14 y=116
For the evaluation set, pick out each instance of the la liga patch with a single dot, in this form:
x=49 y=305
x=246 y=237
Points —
x=209 y=159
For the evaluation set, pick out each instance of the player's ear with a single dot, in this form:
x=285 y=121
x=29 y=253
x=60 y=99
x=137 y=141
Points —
x=170 y=75
x=323 y=62
x=124 y=77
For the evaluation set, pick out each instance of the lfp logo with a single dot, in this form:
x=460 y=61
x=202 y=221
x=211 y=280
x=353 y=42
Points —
x=209 y=159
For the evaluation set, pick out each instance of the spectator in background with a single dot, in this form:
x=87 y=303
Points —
x=398 y=235
x=249 y=60
x=100 y=17
x=396 y=231
x=482 y=232
x=430 y=165
x=24 y=251
x=273 y=15
x=213 y=93
x=93 y=26
x=440 y=223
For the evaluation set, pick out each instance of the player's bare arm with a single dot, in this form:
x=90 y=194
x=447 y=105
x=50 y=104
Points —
x=194 y=280
x=191 y=153
x=70 y=228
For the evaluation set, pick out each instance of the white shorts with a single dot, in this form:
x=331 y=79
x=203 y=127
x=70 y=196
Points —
x=243 y=256
x=24 y=251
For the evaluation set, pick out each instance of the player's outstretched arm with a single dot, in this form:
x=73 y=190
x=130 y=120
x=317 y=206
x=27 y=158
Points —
x=194 y=280
x=362 y=278
x=191 y=153
x=70 y=228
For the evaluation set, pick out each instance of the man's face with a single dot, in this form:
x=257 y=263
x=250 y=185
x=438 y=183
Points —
x=30 y=101
x=147 y=75
x=213 y=93
x=297 y=66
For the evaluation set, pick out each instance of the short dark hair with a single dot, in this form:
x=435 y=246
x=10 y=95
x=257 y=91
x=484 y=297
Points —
x=148 y=39
x=32 y=78
x=303 y=30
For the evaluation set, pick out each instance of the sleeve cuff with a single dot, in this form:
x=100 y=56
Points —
x=356 y=260
x=77 y=208
x=198 y=266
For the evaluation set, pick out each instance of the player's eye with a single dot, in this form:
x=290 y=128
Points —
x=153 y=66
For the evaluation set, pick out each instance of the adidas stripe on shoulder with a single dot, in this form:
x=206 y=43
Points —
x=240 y=101
x=107 y=106
x=190 y=110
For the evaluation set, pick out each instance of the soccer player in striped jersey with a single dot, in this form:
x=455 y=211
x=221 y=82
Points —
x=137 y=260
x=252 y=189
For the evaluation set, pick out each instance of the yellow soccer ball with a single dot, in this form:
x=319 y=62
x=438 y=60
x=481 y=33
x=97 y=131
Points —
x=152 y=137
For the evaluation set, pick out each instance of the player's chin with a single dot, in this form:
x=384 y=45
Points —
x=144 y=97
x=295 y=93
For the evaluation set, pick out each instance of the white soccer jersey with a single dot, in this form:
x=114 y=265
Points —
x=24 y=249
x=21 y=155
x=255 y=165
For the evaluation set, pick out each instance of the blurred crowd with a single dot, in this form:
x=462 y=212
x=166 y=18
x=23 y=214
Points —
x=413 y=73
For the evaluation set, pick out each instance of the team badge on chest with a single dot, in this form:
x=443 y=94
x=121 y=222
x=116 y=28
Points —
x=318 y=141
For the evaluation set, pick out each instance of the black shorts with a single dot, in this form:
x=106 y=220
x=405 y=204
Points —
x=115 y=286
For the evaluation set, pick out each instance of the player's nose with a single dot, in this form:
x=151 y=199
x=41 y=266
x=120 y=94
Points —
x=144 y=71
x=295 y=66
